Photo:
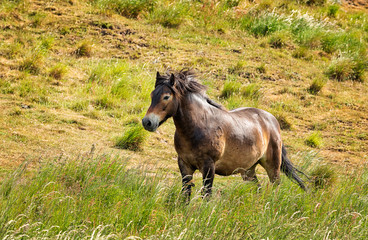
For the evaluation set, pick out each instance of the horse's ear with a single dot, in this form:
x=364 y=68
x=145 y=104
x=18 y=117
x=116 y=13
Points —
x=172 y=79
x=158 y=78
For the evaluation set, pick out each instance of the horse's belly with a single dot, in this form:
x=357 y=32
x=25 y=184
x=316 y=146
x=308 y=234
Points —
x=233 y=161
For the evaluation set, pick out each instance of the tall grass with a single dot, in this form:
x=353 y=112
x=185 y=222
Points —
x=127 y=8
x=266 y=24
x=118 y=84
x=347 y=68
x=101 y=198
x=171 y=16
x=230 y=87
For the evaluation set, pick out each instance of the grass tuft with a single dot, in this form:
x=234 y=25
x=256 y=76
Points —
x=84 y=49
x=104 y=102
x=261 y=68
x=279 y=39
x=323 y=176
x=36 y=18
x=315 y=2
x=301 y=53
x=314 y=140
x=238 y=68
x=266 y=24
x=58 y=71
x=230 y=88
x=132 y=139
x=317 y=86
x=79 y=106
x=347 y=68
x=252 y=91
x=126 y=8
x=284 y=121
x=33 y=62
x=170 y=16
x=332 y=10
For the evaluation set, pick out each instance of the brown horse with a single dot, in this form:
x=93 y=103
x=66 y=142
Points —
x=214 y=140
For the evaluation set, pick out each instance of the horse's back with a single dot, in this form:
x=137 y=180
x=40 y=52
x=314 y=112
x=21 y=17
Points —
x=255 y=115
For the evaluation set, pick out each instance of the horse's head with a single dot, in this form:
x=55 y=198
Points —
x=164 y=103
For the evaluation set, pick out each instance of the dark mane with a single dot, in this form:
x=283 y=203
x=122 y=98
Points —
x=186 y=82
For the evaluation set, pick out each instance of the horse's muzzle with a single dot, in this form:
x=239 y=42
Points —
x=150 y=123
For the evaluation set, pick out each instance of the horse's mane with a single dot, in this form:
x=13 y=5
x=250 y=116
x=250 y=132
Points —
x=185 y=82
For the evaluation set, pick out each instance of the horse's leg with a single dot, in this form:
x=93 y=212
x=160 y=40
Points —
x=272 y=162
x=250 y=174
x=187 y=177
x=208 y=174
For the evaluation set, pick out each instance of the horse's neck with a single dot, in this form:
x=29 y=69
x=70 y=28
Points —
x=194 y=111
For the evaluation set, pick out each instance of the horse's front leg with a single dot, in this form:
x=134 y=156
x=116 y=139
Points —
x=208 y=174
x=187 y=177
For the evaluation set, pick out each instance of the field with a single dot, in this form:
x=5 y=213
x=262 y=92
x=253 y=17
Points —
x=75 y=80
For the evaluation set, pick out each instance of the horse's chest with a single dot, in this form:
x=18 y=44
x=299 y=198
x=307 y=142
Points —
x=200 y=143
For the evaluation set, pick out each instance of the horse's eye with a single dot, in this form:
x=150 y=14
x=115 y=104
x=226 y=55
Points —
x=166 y=97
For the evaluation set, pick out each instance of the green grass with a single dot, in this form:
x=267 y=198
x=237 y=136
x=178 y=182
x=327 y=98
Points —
x=323 y=176
x=127 y=8
x=58 y=71
x=301 y=53
x=230 y=87
x=100 y=197
x=79 y=106
x=314 y=2
x=316 y=86
x=132 y=139
x=314 y=140
x=252 y=91
x=32 y=62
x=84 y=49
x=266 y=24
x=347 y=68
x=279 y=39
x=332 y=10
x=238 y=68
x=170 y=16
x=283 y=119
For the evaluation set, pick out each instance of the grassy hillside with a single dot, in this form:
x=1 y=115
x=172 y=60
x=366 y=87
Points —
x=77 y=73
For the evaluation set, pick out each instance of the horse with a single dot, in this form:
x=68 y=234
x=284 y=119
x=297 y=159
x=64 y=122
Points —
x=213 y=140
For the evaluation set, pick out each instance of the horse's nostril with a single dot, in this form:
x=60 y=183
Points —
x=146 y=122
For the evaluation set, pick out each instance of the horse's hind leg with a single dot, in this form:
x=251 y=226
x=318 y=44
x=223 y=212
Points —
x=250 y=174
x=208 y=174
x=272 y=162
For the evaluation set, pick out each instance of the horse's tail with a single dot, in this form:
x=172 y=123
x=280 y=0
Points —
x=291 y=171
